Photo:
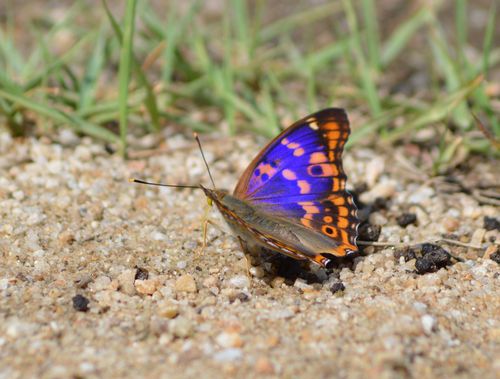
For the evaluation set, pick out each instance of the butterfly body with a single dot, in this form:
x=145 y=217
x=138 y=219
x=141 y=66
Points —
x=292 y=198
x=255 y=228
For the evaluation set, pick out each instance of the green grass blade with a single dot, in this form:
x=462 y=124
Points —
x=372 y=32
x=56 y=64
x=305 y=18
x=436 y=112
x=58 y=116
x=323 y=58
x=10 y=58
x=364 y=71
x=150 y=100
x=174 y=31
x=92 y=73
x=399 y=39
x=373 y=126
x=488 y=37
x=268 y=108
x=226 y=76
x=451 y=71
x=461 y=28
x=124 y=70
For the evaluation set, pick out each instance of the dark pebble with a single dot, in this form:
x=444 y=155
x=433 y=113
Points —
x=141 y=273
x=80 y=303
x=433 y=258
x=495 y=257
x=380 y=203
x=243 y=297
x=491 y=223
x=424 y=265
x=337 y=287
x=109 y=149
x=406 y=219
x=368 y=232
x=407 y=253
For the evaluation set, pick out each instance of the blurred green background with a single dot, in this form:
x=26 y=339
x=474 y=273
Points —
x=406 y=71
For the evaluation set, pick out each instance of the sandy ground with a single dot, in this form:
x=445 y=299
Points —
x=103 y=278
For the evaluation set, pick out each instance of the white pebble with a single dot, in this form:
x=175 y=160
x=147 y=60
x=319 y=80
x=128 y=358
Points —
x=18 y=195
x=428 y=323
x=4 y=284
x=419 y=307
x=101 y=283
x=181 y=265
x=227 y=340
x=421 y=194
x=239 y=281
x=158 y=236
x=228 y=355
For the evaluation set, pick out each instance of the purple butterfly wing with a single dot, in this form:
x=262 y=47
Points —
x=299 y=175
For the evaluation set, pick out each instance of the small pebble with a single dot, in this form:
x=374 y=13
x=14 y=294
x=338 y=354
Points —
x=428 y=323
x=406 y=253
x=239 y=281
x=141 y=273
x=257 y=272
x=101 y=283
x=181 y=327
x=420 y=195
x=210 y=282
x=477 y=237
x=302 y=284
x=168 y=310
x=126 y=282
x=277 y=282
x=185 y=283
x=451 y=224
x=242 y=297
x=491 y=250
x=226 y=340
x=263 y=366
x=368 y=232
x=68 y=138
x=491 y=223
x=146 y=287
x=384 y=189
x=80 y=303
x=337 y=287
x=495 y=257
x=374 y=169
x=228 y=355
x=377 y=219
x=433 y=258
x=66 y=238
x=406 y=219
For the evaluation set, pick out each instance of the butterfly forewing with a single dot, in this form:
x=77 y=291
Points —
x=299 y=177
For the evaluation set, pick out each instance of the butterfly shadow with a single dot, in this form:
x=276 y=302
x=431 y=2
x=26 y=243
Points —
x=278 y=265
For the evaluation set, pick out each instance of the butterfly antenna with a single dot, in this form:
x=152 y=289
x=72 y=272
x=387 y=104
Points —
x=204 y=160
x=161 y=184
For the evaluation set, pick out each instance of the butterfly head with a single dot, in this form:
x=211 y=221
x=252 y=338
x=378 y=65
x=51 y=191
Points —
x=214 y=195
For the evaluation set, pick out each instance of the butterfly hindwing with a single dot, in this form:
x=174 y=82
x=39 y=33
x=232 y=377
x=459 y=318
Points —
x=299 y=176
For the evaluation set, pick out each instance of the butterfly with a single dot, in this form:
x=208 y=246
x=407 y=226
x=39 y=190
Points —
x=292 y=198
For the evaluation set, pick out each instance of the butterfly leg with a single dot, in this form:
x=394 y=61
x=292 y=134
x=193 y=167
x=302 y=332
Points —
x=206 y=222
